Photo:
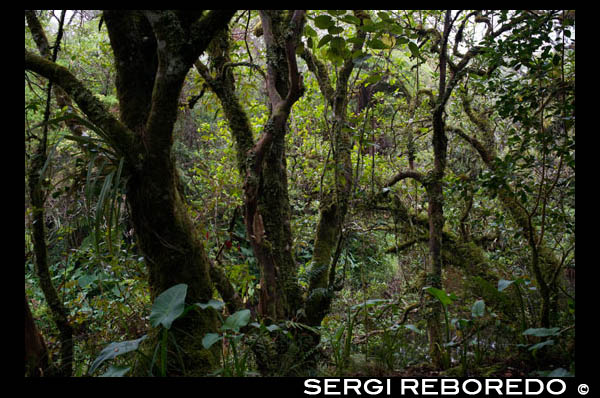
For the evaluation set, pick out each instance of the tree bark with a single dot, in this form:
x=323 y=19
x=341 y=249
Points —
x=335 y=200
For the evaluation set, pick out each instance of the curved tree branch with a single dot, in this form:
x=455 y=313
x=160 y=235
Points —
x=121 y=138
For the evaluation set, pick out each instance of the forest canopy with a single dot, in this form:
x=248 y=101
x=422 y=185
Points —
x=300 y=193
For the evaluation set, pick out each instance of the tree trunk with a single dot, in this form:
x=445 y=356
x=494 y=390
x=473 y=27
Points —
x=149 y=81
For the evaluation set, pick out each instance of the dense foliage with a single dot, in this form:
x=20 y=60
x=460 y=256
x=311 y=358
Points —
x=328 y=192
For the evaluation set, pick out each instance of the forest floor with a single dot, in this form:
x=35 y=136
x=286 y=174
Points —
x=511 y=367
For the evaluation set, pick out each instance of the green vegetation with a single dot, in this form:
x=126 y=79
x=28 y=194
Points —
x=314 y=193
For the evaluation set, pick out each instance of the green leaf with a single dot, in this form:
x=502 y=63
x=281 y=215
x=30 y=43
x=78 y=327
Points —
x=351 y=19
x=460 y=323
x=338 y=43
x=560 y=372
x=308 y=31
x=334 y=30
x=324 y=40
x=168 y=306
x=540 y=345
x=237 y=320
x=373 y=79
x=323 y=21
x=216 y=304
x=209 y=339
x=115 y=349
x=478 y=308
x=339 y=332
x=441 y=295
x=542 y=332
x=384 y=16
x=376 y=44
x=115 y=371
x=272 y=328
x=503 y=284
x=414 y=49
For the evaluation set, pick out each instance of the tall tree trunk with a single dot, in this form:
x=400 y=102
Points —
x=435 y=199
x=334 y=203
x=262 y=164
x=149 y=81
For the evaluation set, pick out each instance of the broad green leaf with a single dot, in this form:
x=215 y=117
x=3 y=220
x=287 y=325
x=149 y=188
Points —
x=212 y=303
x=478 y=308
x=338 y=43
x=376 y=44
x=236 y=320
x=115 y=371
x=540 y=345
x=308 y=31
x=209 y=339
x=115 y=349
x=351 y=19
x=503 y=284
x=168 y=306
x=441 y=295
x=334 y=30
x=324 y=40
x=414 y=49
x=323 y=21
x=272 y=328
x=542 y=332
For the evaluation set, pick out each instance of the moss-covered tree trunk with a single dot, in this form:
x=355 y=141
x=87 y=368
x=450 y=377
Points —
x=335 y=199
x=153 y=52
x=262 y=164
x=435 y=201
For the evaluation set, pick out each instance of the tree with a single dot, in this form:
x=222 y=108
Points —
x=154 y=51
x=323 y=117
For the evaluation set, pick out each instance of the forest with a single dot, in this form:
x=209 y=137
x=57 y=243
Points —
x=314 y=193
